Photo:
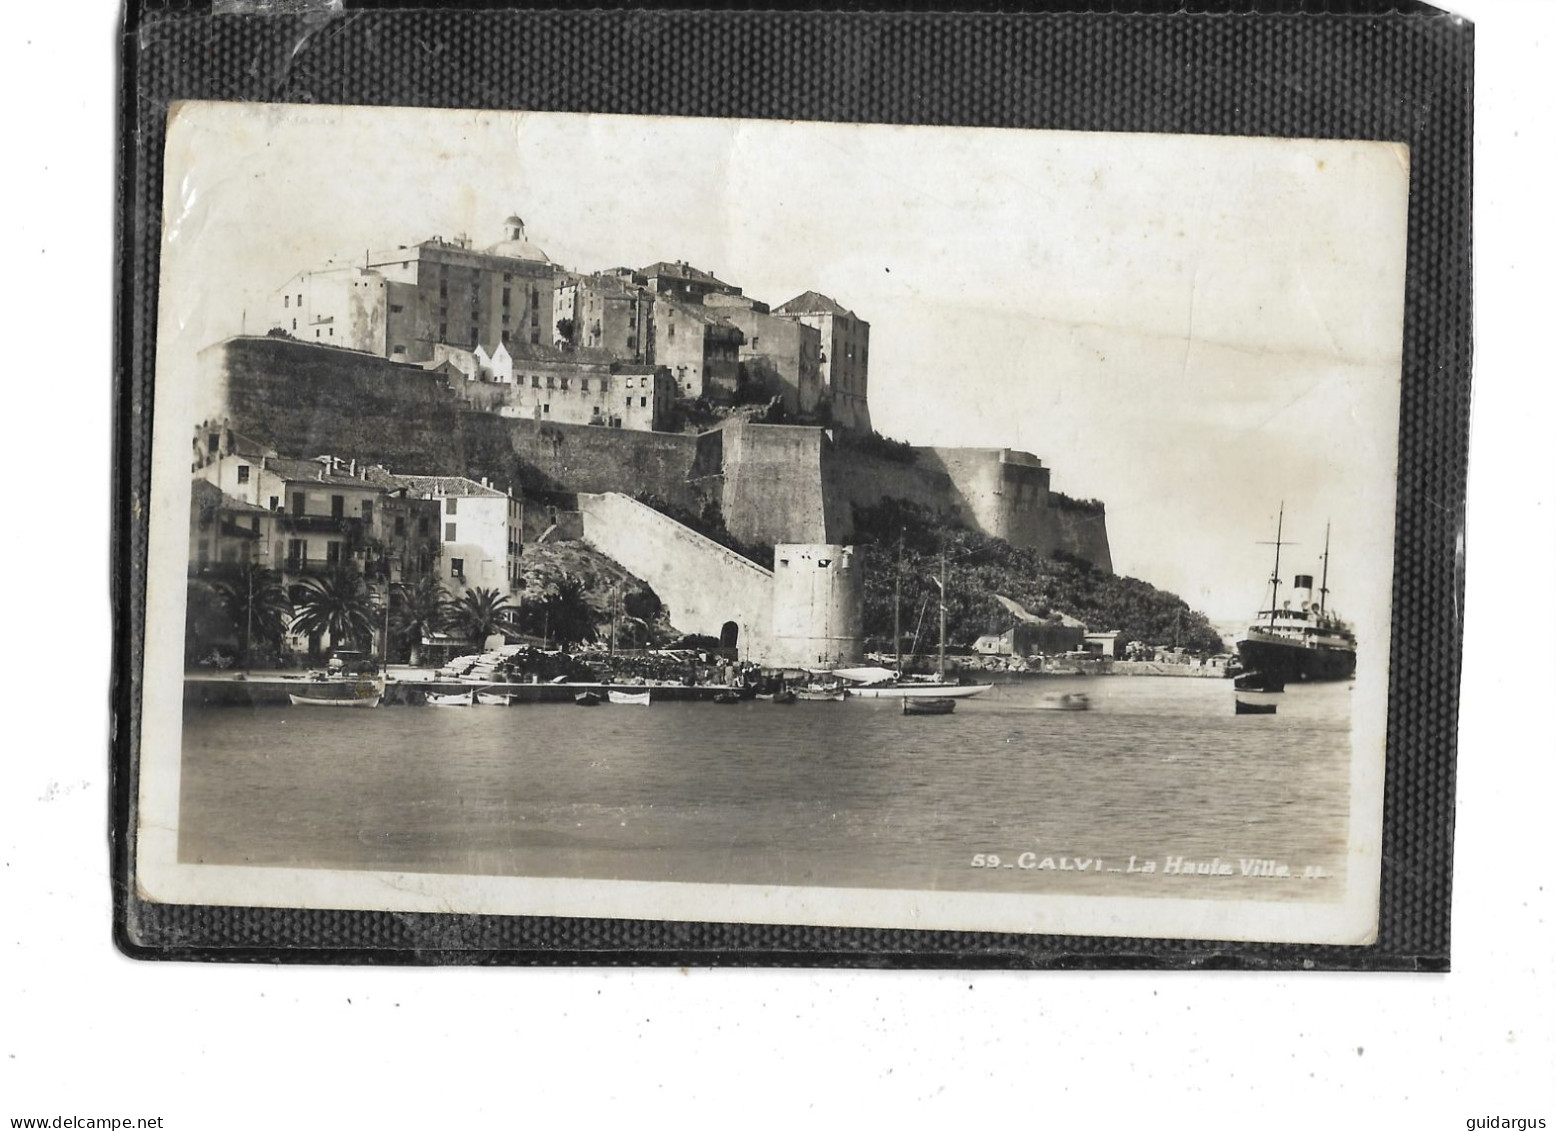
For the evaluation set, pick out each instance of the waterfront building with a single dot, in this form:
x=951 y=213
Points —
x=324 y=515
x=402 y=302
x=479 y=528
x=845 y=355
x=224 y=531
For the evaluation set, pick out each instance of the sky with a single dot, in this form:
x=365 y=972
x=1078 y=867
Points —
x=1196 y=330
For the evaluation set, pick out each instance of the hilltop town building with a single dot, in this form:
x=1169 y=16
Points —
x=226 y=531
x=543 y=383
x=778 y=356
x=845 y=355
x=683 y=281
x=610 y=311
x=700 y=349
x=399 y=303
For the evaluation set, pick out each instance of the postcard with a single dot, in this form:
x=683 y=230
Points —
x=772 y=522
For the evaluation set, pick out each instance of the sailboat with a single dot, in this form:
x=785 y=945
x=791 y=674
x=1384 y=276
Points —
x=883 y=683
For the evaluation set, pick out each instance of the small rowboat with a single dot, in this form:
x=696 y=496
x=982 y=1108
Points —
x=1255 y=708
x=726 y=697
x=816 y=695
x=1259 y=681
x=464 y=699
x=587 y=699
x=782 y=698
x=319 y=701
x=630 y=698
x=493 y=699
x=924 y=705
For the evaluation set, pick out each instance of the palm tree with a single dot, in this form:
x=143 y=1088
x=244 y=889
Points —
x=256 y=602
x=340 y=604
x=422 y=609
x=480 y=613
x=567 y=612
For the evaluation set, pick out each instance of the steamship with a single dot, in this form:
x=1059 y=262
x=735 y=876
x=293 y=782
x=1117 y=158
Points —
x=1299 y=639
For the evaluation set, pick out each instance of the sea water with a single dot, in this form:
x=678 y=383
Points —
x=1159 y=771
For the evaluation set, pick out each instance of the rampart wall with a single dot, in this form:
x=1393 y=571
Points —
x=773 y=483
x=702 y=584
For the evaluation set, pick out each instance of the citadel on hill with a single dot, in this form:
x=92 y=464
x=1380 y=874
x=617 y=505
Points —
x=583 y=396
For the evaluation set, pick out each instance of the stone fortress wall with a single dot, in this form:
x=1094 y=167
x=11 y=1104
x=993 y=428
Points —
x=771 y=483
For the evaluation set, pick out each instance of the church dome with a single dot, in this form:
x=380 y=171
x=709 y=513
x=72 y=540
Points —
x=516 y=246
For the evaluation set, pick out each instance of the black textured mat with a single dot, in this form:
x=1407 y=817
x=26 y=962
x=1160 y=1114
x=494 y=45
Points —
x=1381 y=71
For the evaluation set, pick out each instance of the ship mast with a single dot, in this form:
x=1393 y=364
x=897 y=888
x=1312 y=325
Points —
x=1323 y=585
x=942 y=614
x=1275 y=577
x=896 y=611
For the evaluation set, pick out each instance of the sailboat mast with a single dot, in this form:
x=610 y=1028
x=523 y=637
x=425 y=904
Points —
x=1275 y=577
x=896 y=612
x=1323 y=586
x=942 y=613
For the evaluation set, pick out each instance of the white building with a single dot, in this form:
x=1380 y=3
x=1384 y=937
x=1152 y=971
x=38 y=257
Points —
x=480 y=527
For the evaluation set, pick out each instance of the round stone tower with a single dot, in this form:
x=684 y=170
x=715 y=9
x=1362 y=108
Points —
x=818 y=604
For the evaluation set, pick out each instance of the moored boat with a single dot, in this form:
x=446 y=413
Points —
x=323 y=701
x=587 y=699
x=462 y=699
x=782 y=697
x=912 y=689
x=630 y=698
x=1065 y=701
x=493 y=699
x=726 y=697
x=821 y=695
x=1258 y=681
x=1246 y=708
x=928 y=706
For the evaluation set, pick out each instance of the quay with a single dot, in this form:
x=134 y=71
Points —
x=265 y=690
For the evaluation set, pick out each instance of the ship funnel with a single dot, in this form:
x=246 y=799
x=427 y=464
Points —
x=1302 y=590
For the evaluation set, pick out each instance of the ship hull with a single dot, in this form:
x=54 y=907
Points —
x=1295 y=662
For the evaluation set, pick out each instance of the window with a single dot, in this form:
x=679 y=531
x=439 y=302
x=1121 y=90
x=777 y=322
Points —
x=337 y=506
x=506 y=337
x=286 y=301
x=332 y=331
x=243 y=473
x=565 y=382
x=534 y=382
x=294 y=323
x=550 y=382
x=399 y=349
x=299 y=300
x=583 y=384
x=507 y=297
x=642 y=402
x=275 y=502
x=299 y=502
x=534 y=337
x=332 y=553
x=472 y=335
x=296 y=553
x=213 y=442
x=448 y=531
x=443 y=331
x=546 y=409
x=456 y=568
x=316 y=333
x=451 y=506
x=254 y=524
x=399 y=525
x=506 y=318
x=367 y=512
x=396 y=308
x=534 y=300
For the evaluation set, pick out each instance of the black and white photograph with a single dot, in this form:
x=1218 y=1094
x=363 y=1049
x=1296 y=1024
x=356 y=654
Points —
x=772 y=522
